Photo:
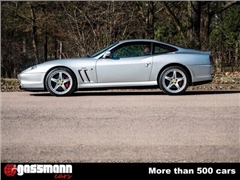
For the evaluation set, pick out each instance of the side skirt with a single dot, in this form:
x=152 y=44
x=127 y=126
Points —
x=124 y=85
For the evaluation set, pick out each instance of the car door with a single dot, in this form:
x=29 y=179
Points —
x=128 y=63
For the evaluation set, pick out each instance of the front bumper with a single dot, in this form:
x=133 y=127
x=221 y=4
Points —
x=31 y=81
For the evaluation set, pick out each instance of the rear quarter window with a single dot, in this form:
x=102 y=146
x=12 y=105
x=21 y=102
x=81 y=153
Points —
x=160 y=49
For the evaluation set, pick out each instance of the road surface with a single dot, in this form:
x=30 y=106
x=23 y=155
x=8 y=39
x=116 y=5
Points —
x=121 y=126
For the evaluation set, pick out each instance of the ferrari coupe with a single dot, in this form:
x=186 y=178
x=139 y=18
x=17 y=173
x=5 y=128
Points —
x=136 y=63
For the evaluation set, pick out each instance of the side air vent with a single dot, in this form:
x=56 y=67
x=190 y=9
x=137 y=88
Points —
x=85 y=75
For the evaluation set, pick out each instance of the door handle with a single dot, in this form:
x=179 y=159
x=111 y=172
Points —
x=147 y=64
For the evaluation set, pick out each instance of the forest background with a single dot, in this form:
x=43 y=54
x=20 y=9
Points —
x=36 y=31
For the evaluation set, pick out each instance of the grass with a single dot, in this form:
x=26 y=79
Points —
x=9 y=84
x=9 y=81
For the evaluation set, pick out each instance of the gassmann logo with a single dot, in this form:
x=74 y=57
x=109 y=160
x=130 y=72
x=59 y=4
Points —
x=20 y=169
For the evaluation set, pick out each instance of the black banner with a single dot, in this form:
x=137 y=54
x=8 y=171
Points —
x=72 y=171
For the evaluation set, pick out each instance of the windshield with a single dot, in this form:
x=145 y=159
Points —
x=101 y=51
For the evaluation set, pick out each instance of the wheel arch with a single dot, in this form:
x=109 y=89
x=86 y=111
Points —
x=175 y=64
x=60 y=67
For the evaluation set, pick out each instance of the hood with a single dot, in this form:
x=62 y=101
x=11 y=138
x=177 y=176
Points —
x=60 y=61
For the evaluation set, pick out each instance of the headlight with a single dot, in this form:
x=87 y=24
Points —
x=33 y=67
x=30 y=68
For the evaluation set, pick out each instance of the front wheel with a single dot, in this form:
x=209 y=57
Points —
x=174 y=80
x=60 y=82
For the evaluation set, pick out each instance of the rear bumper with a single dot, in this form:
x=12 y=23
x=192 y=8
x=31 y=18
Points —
x=204 y=81
x=202 y=73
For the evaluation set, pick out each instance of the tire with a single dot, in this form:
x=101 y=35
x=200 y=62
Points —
x=174 y=80
x=60 y=82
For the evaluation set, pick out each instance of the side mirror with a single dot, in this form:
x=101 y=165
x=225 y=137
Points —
x=107 y=54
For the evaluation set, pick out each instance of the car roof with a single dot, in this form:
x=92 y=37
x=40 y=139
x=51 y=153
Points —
x=150 y=40
x=136 y=40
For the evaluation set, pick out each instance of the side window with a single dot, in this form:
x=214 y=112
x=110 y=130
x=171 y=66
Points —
x=130 y=50
x=159 y=49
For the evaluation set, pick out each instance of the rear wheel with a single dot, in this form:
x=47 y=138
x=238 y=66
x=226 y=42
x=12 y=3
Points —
x=174 y=80
x=60 y=82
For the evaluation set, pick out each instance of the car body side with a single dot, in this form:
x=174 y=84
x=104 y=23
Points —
x=90 y=72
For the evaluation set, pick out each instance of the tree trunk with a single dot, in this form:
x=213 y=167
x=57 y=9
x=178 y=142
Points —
x=237 y=47
x=56 y=48
x=150 y=19
x=194 y=21
x=34 y=33
x=46 y=46
x=205 y=27
x=60 y=50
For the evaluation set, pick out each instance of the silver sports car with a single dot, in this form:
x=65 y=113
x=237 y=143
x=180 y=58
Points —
x=137 y=63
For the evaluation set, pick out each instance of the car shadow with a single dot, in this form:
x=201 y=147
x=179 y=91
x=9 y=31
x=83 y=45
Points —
x=138 y=93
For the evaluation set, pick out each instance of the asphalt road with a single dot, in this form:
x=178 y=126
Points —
x=121 y=126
